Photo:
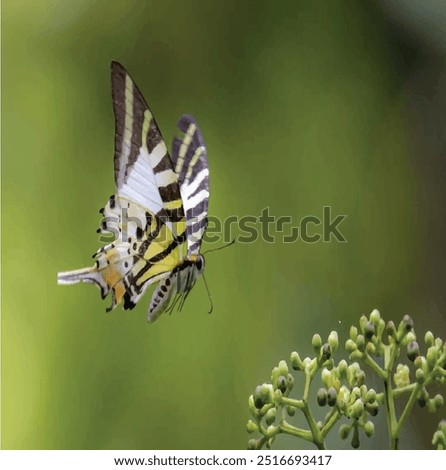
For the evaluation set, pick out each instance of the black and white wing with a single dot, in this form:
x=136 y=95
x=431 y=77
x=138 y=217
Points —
x=190 y=163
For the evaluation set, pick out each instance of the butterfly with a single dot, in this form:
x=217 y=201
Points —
x=158 y=213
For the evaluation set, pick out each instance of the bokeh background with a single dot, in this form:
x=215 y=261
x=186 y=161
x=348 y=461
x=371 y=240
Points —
x=302 y=104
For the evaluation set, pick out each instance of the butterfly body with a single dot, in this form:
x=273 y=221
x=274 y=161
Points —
x=158 y=214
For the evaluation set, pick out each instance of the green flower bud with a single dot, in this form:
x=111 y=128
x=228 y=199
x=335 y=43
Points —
x=333 y=341
x=381 y=398
x=439 y=439
x=307 y=362
x=419 y=376
x=326 y=377
x=357 y=409
x=291 y=410
x=431 y=357
x=408 y=322
x=282 y=383
x=413 y=350
x=438 y=343
x=350 y=345
x=283 y=368
x=270 y=429
x=375 y=317
x=380 y=328
x=370 y=396
x=320 y=425
x=274 y=375
x=278 y=396
x=343 y=395
x=369 y=428
x=431 y=406
x=326 y=352
x=356 y=393
x=429 y=338
x=265 y=390
x=360 y=342
x=252 y=444
x=344 y=431
x=342 y=368
x=360 y=378
x=353 y=333
x=290 y=381
x=355 y=438
x=331 y=396
x=322 y=397
x=402 y=376
x=439 y=401
x=270 y=416
x=362 y=323
x=372 y=408
x=252 y=407
x=251 y=427
x=442 y=425
x=316 y=342
x=296 y=361
x=371 y=349
x=258 y=399
x=356 y=355
x=369 y=330
x=352 y=370
x=408 y=338
x=390 y=329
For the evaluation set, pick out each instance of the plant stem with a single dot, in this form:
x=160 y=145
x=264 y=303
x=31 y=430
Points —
x=318 y=439
x=299 y=404
x=407 y=408
x=330 y=422
x=398 y=392
x=390 y=354
x=374 y=365
x=287 y=428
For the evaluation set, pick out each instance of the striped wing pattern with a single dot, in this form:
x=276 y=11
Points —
x=146 y=213
x=190 y=162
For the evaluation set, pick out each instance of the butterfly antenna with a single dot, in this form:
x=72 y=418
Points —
x=221 y=247
x=209 y=295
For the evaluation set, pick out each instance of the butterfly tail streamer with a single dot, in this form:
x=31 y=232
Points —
x=89 y=275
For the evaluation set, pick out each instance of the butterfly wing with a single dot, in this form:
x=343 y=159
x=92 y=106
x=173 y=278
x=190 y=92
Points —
x=146 y=214
x=189 y=158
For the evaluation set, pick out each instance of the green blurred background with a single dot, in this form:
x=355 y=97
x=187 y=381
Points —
x=302 y=104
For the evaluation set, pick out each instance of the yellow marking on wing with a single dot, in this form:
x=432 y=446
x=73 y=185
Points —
x=160 y=243
x=184 y=146
x=166 y=177
x=153 y=225
x=193 y=162
x=180 y=226
x=145 y=127
x=173 y=204
x=168 y=263
x=128 y=109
